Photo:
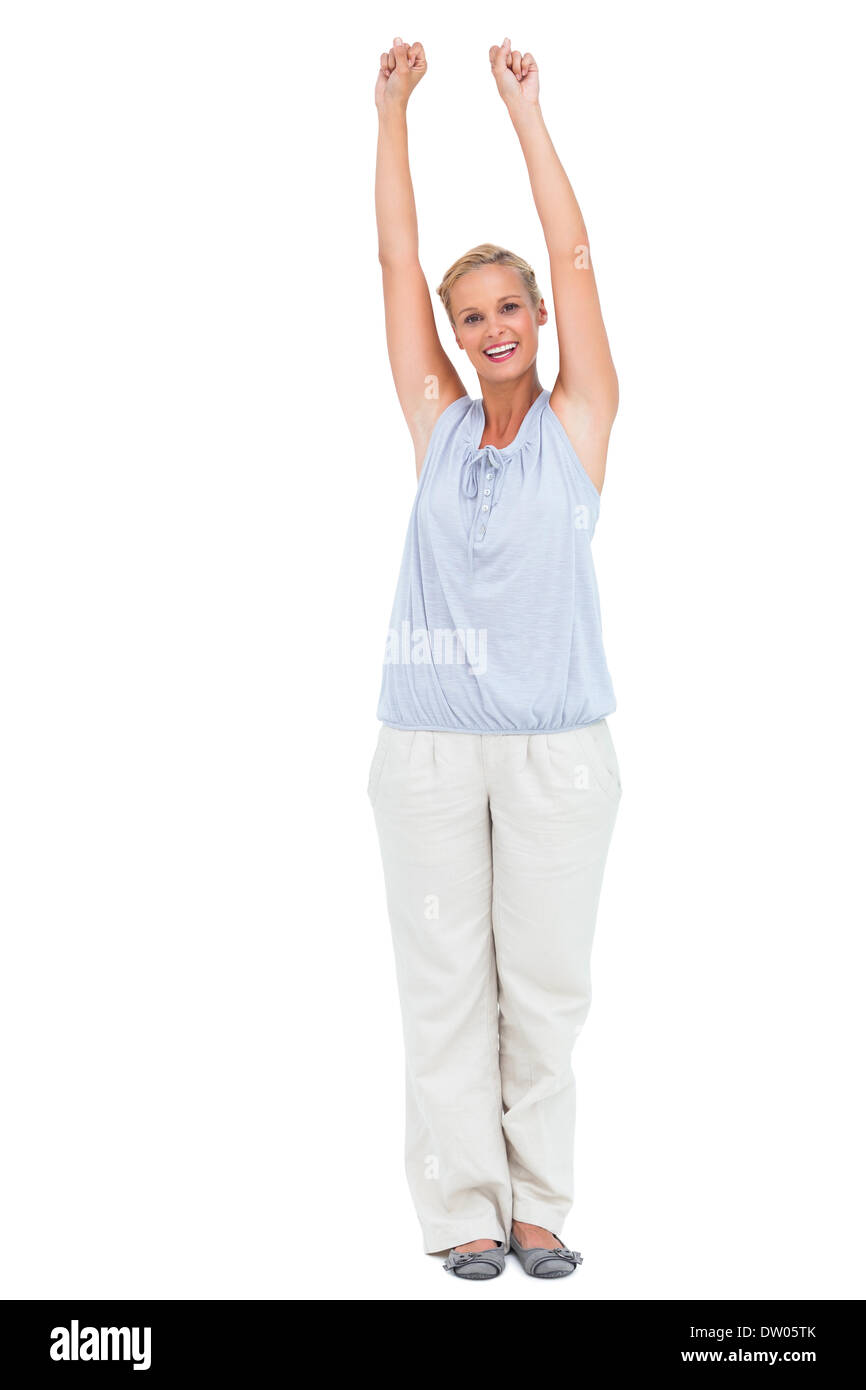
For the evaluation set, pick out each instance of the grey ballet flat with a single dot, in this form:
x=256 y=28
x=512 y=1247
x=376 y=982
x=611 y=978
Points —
x=477 y=1264
x=547 y=1264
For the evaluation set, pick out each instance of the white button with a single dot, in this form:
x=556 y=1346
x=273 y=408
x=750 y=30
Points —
x=485 y=508
x=489 y=476
x=487 y=492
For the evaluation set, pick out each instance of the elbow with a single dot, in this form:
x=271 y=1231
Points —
x=607 y=398
x=614 y=394
x=402 y=256
x=398 y=269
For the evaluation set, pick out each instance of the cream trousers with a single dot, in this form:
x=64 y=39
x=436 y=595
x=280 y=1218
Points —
x=493 y=847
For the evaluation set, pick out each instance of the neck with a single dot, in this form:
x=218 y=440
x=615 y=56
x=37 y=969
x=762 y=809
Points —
x=505 y=407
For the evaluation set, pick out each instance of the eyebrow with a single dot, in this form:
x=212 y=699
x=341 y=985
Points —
x=475 y=309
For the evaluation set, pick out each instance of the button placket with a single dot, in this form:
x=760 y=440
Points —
x=492 y=478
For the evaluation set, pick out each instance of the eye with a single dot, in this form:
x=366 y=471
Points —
x=470 y=317
x=511 y=306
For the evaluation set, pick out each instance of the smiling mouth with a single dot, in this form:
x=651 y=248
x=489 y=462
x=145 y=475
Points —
x=501 y=352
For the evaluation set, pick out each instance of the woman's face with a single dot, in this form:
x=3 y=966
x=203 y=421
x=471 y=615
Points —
x=495 y=322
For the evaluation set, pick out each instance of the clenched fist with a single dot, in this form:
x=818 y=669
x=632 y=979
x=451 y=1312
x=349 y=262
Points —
x=400 y=71
x=516 y=75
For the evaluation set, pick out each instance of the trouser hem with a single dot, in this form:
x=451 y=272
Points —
x=445 y=1236
x=537 y=1214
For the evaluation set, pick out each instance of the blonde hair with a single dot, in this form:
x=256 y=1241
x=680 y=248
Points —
x=487 y=254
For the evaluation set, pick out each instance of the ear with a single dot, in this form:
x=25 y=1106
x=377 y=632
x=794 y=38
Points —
x=543 y=315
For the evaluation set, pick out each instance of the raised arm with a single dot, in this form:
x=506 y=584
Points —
x=424 y=374
x=585 y=395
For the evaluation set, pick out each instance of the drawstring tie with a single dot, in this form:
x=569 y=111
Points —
x=477 y=464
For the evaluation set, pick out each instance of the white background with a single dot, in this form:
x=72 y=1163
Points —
x=205 y=489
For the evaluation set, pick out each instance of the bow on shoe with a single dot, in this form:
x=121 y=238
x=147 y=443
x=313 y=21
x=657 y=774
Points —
x=462 y=1257
x=573 y=1255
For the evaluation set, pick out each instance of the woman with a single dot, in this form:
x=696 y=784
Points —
x=494 y=783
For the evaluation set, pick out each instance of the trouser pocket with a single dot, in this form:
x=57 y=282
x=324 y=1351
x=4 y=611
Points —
x=601 y=756
x=378 y=763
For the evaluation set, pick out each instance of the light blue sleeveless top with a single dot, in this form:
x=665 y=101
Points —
x=496 y=626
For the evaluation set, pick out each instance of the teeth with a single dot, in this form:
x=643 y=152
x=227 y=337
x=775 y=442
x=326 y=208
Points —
x=499 y=351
